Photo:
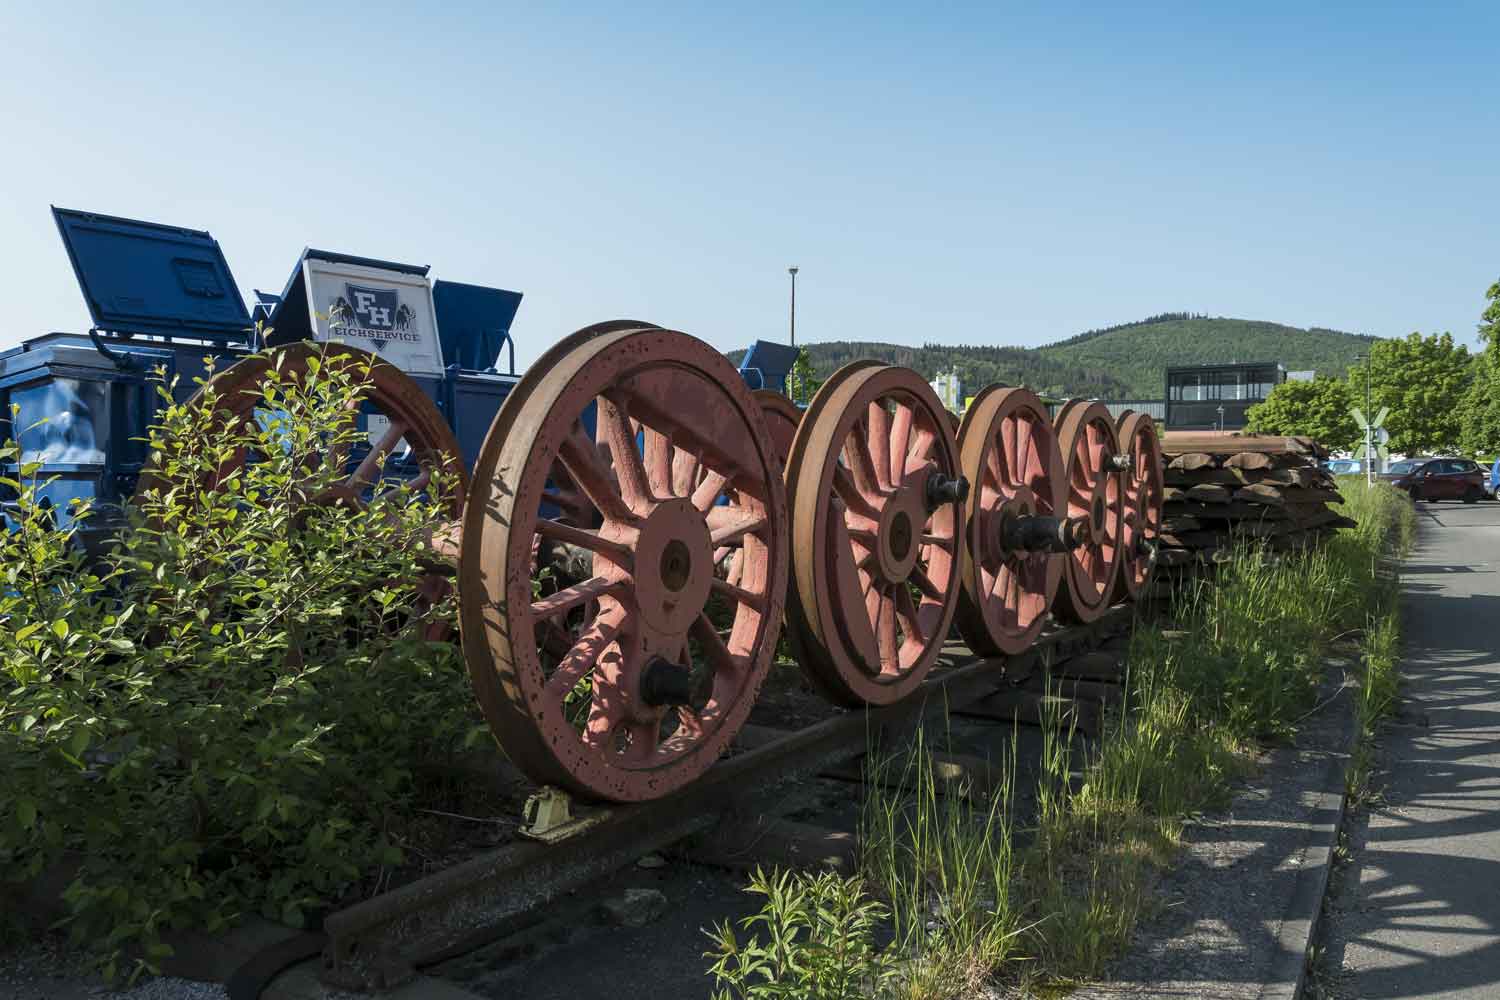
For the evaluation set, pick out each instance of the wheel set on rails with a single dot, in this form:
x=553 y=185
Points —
x=639 y=524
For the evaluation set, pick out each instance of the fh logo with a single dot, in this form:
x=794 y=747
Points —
x=373 y=308
x=376 y=314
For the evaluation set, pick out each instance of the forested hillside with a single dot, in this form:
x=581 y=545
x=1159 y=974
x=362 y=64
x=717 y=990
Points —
x=976 y=365
x=1137 y=353
x=1118 y=362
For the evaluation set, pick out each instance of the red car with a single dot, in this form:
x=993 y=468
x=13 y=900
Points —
x=1442 y=479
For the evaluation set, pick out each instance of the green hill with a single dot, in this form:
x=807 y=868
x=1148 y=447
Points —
x=977 y=365
x=1137 y=353
x=1119 y=362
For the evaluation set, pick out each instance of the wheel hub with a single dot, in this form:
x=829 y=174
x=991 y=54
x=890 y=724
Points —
x=1004 y=524
x=674 y=566
x=899 y=528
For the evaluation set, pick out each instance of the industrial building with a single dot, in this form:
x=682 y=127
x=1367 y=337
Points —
x=1218 y=397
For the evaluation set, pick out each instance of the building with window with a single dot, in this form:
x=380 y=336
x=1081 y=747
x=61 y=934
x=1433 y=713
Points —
x=1216 y=397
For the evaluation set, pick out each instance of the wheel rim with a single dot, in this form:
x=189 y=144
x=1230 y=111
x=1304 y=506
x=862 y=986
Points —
x=1086 y=438
x=782 y=418
x=875 y=573
x=649 y=694
x=1009 y=455
x=1142 y=488
x=411 y=417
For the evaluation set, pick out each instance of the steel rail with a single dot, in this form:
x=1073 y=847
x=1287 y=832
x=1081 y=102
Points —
x=380 y=942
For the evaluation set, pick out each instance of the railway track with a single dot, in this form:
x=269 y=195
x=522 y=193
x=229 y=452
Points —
x=379 y=943
x=638 y=534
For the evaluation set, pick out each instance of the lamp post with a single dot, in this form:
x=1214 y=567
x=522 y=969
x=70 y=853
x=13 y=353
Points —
x=793 y=272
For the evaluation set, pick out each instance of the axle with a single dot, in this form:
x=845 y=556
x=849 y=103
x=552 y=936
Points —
x=943 y=489
x=1042 y=533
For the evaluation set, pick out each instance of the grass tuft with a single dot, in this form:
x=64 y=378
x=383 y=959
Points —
x=967 y=896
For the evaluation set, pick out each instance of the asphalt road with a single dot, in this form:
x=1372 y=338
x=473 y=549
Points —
x=1419 y=912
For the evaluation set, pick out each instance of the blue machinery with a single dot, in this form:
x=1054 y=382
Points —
x=162 y=297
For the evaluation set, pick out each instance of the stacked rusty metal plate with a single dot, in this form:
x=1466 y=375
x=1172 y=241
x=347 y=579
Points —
x=1222 y=488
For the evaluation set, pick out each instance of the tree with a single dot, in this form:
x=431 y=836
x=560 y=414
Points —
x=802 y=381
x=1318 y=409
x=1423 y=380
x=1479 y=413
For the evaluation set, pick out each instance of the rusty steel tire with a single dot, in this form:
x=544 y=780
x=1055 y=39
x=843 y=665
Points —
x=1086 y=438
x=782 y=417
x=1009 y=454
x=1143 y=491
x=652 y=689
x=874 y=572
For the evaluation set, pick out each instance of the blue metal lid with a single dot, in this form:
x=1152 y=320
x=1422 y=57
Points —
x=766 y=365
x=473 y=322
x=147 y=278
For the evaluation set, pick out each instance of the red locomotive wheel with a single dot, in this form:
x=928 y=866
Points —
x=1142 y=486
x=876 y=496
x=1010 y=574
x=1086 y=438
x=665 y=658
x=409 y=418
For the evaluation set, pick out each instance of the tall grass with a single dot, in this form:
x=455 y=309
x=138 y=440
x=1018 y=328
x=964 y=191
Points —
x=1242 y=665
x=945 y=869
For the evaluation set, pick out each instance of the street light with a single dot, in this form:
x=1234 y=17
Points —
x=793 y=272
x=1369 y=424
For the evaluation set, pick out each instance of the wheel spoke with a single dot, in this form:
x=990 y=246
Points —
x=856 y=501
x=879 y=441
x=860 y=463
x=616 y=552
x=906 y=610
x=737 y=594
x=584 y=654
x=923 y=582
x=712 y=645
x=685 y=472
x=616 y=431
x=727 y=525
x=585 y=466
x=900 y=440
x=708 y=490
x=658 y=461
x=885 y=631
x=568 y=598
x=943 y=542
x=372 y=464
x=920 y=447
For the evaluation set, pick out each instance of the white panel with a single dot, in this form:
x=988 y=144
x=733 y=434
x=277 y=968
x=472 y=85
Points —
x=383 y=311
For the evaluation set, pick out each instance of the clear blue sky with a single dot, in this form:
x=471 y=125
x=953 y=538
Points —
x=945 y=173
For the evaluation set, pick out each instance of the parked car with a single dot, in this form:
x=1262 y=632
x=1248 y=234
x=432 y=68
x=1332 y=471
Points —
x=1344 y=466
x=1440 y=479
x=1401 y=468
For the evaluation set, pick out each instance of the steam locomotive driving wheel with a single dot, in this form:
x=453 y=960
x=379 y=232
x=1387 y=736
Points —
x=666 y=657
x=1143 y=491
x=877 y=514
x=1086 y=436
x=1017 y=531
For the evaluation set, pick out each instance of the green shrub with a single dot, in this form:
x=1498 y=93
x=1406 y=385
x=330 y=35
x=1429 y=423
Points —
x=819 y=942
x=222 y=714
